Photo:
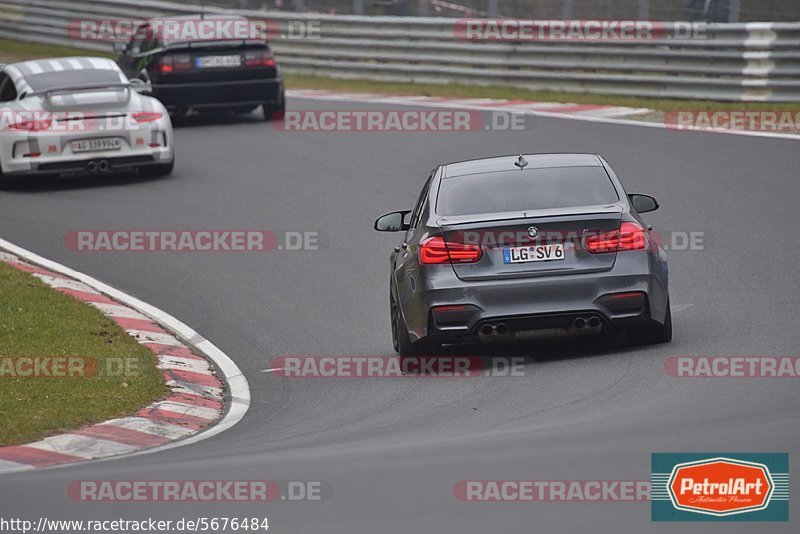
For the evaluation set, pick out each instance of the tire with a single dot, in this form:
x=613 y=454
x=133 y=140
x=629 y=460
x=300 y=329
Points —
x=651 y=335
x=273 y=112
x=402 y=343
x=160 y=169
x=6 y=182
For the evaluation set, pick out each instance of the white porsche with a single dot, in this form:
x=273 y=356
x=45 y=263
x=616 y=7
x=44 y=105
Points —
x=80 y=114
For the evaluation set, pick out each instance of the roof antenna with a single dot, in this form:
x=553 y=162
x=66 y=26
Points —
x=521 y=162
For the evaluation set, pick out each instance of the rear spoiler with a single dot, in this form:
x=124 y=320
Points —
x=77 y=88
x=453 y=220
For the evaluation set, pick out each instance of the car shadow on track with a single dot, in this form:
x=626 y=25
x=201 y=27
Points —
x=67 y=182
x=195 y=120
x=546 y=350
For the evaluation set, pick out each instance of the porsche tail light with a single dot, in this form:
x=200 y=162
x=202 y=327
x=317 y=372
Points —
x=146 y=116
x=32 y=125
x=436 y=250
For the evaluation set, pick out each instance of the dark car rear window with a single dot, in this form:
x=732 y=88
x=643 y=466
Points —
x=555 y=187
x=65 y=78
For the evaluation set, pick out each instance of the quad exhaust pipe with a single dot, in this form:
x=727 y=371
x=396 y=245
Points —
x=101 y=166
x=581 y=323
x=500 y=331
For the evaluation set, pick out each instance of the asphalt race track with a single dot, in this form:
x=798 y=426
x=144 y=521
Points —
x=392 y=449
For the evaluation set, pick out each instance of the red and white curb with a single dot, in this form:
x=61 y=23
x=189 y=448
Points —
x=487 y=104
x=580 y=112
x=197 y=407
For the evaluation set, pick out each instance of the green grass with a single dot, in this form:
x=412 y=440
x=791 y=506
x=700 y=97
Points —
x=16 y=51
x=36 y=320
x=12 y=51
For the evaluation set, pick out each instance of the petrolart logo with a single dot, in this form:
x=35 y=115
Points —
x=720 y=487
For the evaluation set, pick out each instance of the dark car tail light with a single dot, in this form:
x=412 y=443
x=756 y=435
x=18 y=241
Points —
x=182 y=62
x=167 y=64
x=435 y=251
x=259 y=58
x=630 y=236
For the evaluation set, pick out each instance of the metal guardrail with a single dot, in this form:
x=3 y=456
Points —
x=736 y=62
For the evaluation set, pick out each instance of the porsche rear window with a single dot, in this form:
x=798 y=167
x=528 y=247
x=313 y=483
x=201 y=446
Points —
x=554 y=187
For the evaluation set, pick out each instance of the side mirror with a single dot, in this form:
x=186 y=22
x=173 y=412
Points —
x=141 y=86
x=643 y=203
x=120 y=46
x=392 y=222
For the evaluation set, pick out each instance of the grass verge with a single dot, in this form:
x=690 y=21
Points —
x=37 y=321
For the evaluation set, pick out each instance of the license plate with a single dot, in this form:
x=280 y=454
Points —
x=533 y=253
x=206 y=62
x=97 y=145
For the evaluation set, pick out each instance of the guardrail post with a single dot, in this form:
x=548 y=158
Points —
x=566 y=9
x=643 y=10
x=734 y=10
x=492 y=9
x=358 y=7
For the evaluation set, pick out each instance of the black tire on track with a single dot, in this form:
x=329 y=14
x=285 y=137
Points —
x=650 y=335
x=400 y=340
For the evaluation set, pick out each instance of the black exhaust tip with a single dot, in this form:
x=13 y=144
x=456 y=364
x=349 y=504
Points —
x=487 y=330
x=579 y=322
x=501 y=329
x=594 y=322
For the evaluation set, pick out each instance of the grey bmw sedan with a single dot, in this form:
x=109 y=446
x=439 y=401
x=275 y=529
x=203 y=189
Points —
x=517 y=248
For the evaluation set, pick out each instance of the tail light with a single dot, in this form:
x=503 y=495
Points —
x=630 y=236
x=165 y=65
x=259 y=58
x=180 y=62
x=146 y=116
x=33 y=125
x=436 y=251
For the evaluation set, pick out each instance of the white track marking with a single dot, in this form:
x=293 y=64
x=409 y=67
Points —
x=115 y=310
x=82 y=446
x=167 y=361
x=186 y=409
x=65 y=283
x=150 y=426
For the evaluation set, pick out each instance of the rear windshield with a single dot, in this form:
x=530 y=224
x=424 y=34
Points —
x=556 y=187
x=66 y=78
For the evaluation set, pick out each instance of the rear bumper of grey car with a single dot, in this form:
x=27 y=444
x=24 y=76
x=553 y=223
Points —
x=448 y=309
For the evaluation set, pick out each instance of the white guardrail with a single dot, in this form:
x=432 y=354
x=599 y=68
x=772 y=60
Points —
x=737 y=62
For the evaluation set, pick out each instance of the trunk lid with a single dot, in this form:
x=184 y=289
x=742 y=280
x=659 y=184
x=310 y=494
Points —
x=501 y=235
